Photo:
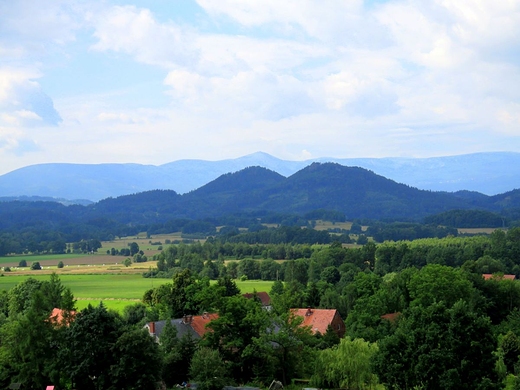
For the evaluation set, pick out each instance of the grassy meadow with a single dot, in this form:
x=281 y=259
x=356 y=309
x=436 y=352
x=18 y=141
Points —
x=115 y=290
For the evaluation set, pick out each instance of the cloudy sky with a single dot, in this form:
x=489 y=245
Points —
x=155 y=81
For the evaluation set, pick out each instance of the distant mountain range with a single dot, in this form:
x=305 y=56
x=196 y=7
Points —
x=487 y=173
x=256 y=192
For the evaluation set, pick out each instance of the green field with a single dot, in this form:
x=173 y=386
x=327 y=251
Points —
x=116 y=291
x=116 y=305
x=96 y=286
x=41 y=258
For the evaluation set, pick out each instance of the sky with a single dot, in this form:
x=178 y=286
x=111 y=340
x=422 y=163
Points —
x=155 y=81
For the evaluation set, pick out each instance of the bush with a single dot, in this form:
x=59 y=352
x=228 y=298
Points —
x=60 y=264
x=36 y=266
x=7 y=269
x=22 y=263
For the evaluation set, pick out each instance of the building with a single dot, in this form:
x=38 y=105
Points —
x=498 y=276
x=391 y=317
x=262 y=296
x=195 y=326
x=320 y=319
x=60 y=316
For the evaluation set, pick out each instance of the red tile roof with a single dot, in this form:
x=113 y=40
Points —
x=318 y=319
x=198 y=323
x=57 y=316
x=262 y=295
x=392 y=317
x=498 y=276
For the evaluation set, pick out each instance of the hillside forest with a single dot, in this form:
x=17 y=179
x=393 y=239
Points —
x=418 y=313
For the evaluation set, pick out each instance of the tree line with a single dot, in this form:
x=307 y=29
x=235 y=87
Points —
x=498 y=252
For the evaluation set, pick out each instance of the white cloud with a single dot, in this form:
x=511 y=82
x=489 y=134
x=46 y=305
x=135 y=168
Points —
x=134 y=31
x=22 y=100
x=325 y=20
x=292 y=78
x=34 y=28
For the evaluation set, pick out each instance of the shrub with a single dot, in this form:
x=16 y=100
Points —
x=7 y=269
x=60 y=264
x=22 y=263
x=36 y=265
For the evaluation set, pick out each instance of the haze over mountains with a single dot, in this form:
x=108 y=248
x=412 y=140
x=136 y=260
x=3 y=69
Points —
x=487 y=173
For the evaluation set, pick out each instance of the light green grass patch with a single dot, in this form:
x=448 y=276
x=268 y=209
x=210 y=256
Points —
x=114 y=304
x=107 y=286
x=130 y=286
x=249 y=286
x=32 y=258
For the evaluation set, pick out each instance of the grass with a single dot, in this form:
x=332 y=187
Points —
x=116 y=305
x=141 y=240
x=32 y=258
x=128 y=286
x=478 y=230
x=249 y=286
x=116 y=291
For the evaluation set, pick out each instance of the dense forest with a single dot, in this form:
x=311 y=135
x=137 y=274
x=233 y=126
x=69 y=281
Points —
x=418 y=314
x=253 y=197
x=256 y=195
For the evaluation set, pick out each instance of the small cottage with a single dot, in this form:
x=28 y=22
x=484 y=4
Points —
x=320 y=319
x=195 y=326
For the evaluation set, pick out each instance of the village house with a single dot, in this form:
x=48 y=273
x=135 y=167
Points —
x=498 y=276
x=61 y=317
x=391 y=317
x=320 y=319
x=195 y=326
x=262 y=296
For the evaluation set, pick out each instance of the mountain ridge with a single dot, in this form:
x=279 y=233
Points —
x=488 y=173
x=253 y=193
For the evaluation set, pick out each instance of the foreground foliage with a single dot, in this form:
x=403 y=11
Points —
x=418 y=315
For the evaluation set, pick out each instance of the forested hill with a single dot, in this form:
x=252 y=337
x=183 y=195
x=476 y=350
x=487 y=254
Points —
x=488 y=173
x=355 y=192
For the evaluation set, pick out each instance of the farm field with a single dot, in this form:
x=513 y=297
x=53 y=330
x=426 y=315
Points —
x=478 y=230
x=325 y=225
x=116 y=291
x=100 y=257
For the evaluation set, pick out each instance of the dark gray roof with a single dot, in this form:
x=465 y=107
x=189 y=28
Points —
x=182 y=328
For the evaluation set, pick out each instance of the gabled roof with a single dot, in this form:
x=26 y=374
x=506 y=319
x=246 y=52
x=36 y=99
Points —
x=262 y=295
x=195 y=326
x=498 y=276
x=58 y=316
x=198 y=323
x=318 y=319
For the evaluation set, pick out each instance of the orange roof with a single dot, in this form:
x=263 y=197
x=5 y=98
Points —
x=392 y=317
x=57 y=315
x=318 y=319
x=498 y=276
x=262 y=295
x=198 y=323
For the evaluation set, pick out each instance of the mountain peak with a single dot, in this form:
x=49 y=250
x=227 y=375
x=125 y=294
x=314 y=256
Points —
x=487 y=173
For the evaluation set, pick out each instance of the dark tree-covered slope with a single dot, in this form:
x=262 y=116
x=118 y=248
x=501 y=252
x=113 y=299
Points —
x=356 y=192
x=235 y=192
